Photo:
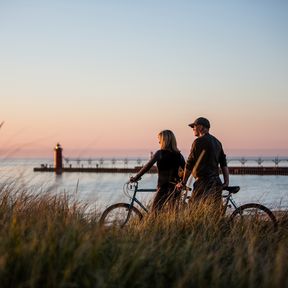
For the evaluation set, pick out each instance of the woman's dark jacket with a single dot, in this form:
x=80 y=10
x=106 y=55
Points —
x=168 y=164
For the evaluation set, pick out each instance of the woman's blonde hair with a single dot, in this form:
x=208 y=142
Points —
x=168 y=141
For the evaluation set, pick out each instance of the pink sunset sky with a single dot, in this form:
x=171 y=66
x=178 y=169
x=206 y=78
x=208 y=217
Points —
x=103 y=78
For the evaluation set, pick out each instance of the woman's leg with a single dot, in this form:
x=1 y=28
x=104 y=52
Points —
x=166 y=195
x=158 y=201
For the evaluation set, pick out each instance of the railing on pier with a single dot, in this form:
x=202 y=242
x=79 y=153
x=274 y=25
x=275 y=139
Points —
x=258 y=160
x=104 y=162
x=126 y=162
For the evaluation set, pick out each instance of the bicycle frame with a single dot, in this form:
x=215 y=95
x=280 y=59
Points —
x=134 y=199
x=229 y=201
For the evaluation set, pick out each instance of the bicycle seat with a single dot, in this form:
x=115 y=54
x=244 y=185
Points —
x=232 y=189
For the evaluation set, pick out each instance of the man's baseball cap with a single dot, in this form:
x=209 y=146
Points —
x=200 y=121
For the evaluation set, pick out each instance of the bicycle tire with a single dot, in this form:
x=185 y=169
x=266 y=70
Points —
x=256 y=212
x=117 y=215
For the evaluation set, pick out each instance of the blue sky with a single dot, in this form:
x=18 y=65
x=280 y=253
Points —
x=98 y=75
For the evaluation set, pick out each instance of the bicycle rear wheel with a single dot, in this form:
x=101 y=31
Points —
x=253 y=213
x=119 y=215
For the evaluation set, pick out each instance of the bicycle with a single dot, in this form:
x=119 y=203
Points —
x=256 y=212
x=120 y=214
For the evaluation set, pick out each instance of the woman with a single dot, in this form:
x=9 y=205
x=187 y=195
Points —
x=170 y=164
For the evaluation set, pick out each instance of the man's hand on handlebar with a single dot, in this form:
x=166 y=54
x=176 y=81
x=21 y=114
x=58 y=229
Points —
x=179 y=186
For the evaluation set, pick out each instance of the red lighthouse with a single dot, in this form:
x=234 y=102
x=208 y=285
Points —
x=58 y=165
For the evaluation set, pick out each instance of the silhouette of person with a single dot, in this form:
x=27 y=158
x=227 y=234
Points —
x=203 y=162
x=170 y=163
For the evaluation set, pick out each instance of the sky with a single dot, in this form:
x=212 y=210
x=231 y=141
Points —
x=105 y=77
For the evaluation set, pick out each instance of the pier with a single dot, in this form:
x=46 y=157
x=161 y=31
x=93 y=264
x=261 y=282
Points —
x=237 y=170
x=95 y=169
x=237 y=165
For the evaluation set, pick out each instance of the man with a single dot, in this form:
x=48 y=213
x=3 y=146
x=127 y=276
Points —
x=203 y=162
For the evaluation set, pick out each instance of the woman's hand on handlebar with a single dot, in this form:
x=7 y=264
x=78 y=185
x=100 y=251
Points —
x=134 y=179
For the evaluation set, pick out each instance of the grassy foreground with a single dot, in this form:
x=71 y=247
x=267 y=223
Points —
x=50 y=241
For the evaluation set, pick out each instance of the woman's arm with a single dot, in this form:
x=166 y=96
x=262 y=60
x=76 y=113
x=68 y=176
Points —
x=146 y=167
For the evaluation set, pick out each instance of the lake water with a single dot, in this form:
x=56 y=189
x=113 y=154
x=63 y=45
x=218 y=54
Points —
x=103 y=189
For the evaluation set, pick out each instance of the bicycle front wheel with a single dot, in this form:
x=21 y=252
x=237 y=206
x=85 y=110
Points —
x=119 y=215
x=253 y=213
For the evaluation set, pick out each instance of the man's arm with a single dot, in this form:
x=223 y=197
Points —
x=224 y=167
x=188 y=168
x=225 y=172
x=186 y=175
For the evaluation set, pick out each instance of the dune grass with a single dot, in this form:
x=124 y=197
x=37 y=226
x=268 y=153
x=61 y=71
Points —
x=50 y=240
